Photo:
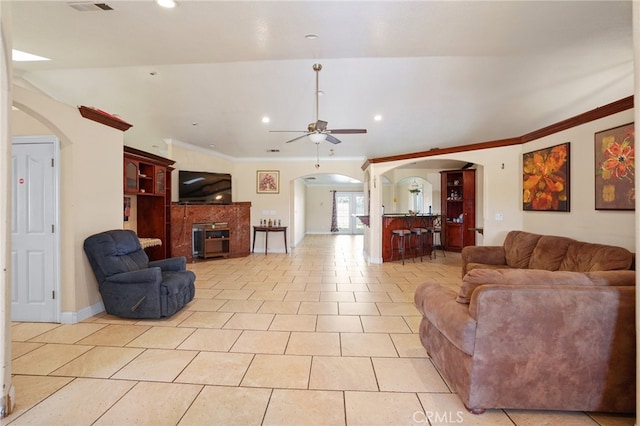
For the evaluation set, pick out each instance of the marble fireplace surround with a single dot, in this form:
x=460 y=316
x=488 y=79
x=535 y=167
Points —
x=237 y=215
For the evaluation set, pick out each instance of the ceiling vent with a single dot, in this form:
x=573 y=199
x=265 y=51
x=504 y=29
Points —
x=89 y=6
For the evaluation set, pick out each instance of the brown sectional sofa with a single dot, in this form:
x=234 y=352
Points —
x=542 y=322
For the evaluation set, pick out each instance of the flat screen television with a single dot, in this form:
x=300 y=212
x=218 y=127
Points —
x=204 y=187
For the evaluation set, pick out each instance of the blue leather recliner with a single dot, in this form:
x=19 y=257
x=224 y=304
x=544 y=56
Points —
x=130 y=285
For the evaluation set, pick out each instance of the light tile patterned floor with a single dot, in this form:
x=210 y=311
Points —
x=316 y=336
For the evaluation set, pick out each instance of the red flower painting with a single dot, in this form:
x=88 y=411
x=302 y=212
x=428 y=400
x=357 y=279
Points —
x=545 y=184
x=615 y=168
x=268 y=182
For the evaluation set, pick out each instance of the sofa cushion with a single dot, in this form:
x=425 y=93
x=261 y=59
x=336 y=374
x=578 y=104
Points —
x=585 y=257
x=518 y=247
x=472 y=266
x=478 y=277
x=549 y=252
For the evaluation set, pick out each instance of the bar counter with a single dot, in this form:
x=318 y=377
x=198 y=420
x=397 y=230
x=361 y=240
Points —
x=393 y=221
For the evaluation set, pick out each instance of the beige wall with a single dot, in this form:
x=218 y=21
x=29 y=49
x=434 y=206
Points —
x=319 y=206
x=287 y=205
x=7 y=400
x=91 y=183
x=90 y=189
x=499 y=191
x=584 y=222
x=298 y=212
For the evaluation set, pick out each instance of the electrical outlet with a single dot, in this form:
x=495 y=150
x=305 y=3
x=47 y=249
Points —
x=499 y=216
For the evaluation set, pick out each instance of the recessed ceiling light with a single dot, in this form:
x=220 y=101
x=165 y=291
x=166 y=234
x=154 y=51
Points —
x=169 y=4
x=311 y=36
x=195 y=123
x=377 y=117
x=19 y=56
x=266 y=119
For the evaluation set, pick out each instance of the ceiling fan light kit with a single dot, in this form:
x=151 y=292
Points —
x=317 y=132
x=318 y=137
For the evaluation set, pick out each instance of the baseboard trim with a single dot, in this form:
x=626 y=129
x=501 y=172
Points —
x=82 y=314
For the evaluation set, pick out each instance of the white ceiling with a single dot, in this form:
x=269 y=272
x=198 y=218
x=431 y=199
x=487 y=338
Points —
x=440 y=73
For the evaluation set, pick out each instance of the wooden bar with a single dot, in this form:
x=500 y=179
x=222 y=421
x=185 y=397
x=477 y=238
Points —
x=390 y=222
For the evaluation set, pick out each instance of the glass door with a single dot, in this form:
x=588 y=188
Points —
x=348 y=205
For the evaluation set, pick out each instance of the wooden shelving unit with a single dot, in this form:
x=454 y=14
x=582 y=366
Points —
x=458 y=191
x=148 y=177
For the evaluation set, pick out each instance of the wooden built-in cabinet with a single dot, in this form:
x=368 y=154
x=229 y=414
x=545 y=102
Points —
x=458 y=208
x=148 y=177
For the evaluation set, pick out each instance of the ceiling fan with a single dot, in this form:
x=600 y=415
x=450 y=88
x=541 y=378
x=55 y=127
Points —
x=318 y=132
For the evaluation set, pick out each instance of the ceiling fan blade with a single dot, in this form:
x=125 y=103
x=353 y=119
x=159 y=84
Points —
x=332 y=139
x=299 y=137
x=321 y=125
x=347 y=131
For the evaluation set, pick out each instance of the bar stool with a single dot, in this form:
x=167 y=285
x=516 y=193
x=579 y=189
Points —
x=403 y=237
x=419 y=234
x=436 y=229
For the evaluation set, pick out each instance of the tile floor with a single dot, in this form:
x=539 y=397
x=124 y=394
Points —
x=317 y=336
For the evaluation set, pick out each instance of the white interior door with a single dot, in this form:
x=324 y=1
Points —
x=348 y=205
x=33 y=241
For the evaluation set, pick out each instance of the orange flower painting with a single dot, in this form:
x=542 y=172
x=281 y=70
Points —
x=545 y=179
x=615 y=168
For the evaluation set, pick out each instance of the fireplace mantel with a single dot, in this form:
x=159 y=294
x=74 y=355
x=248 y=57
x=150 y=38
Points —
x=237 y=215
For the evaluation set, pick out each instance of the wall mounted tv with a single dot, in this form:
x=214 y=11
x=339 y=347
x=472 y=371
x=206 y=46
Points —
x=204 y=187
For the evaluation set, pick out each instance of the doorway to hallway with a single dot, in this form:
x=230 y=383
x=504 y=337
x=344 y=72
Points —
x=348 y=206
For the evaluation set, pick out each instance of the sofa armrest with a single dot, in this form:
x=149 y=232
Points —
x=171 y=264
x=141 y=276
x=134 y=294
x=535 y=302
x=491 y=255
x=438 y=305
x=613 y=278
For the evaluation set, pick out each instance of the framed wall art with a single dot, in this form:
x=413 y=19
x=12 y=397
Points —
x=615 y=168
x=268 y=182
x=545 y=179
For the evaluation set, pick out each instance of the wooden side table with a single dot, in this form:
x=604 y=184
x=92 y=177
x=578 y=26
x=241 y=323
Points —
x=266 y=230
